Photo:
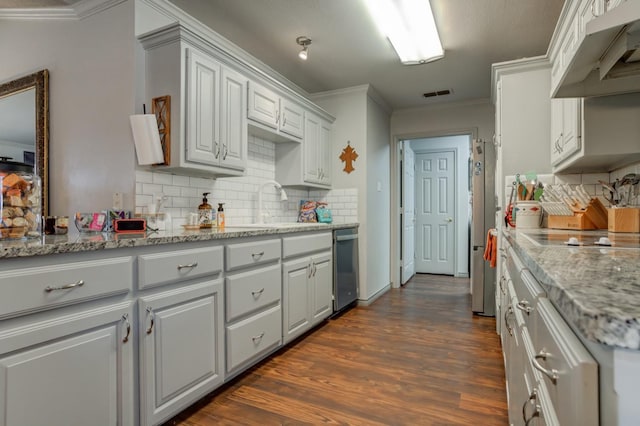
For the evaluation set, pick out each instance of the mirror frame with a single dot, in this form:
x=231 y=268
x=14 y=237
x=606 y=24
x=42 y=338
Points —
x=40 y=81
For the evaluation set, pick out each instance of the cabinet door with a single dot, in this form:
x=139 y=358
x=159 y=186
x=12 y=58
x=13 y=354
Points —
x=291 y=118
x=322 y=286
x=233 y=120
x=571 y=124
x=202 y=132
x=69 y=370
x=295 y=298
x=325 y=145
x=181 y=348
x=556 y=130
x=263 y=105
x=310 y=149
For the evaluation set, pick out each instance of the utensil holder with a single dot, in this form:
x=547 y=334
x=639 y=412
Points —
x=595 y=216
x=624 y=219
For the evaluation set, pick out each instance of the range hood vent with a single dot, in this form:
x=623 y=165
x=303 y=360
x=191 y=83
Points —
x=607 y=61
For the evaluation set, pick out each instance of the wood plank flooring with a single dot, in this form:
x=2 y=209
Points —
x=416 y=356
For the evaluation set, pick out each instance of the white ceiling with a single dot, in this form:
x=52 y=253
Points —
x=347 y=50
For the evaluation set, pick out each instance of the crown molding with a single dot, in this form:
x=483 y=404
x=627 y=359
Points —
x=80 y=10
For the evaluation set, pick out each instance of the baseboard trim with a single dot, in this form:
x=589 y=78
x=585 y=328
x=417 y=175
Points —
x=367 y=302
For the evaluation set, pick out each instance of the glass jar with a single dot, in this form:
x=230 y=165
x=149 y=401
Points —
x=20 y=201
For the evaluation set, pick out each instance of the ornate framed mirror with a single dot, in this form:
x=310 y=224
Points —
x=22 y=131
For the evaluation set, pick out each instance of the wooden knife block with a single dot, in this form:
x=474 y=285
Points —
x=624 y=219
x=595 y=216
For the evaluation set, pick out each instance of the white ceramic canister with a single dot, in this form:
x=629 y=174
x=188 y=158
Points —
x=528 y=214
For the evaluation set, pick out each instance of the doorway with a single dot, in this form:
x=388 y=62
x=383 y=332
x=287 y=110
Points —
x=434 y=218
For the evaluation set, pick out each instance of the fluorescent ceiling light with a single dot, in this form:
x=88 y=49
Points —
x=411 y=28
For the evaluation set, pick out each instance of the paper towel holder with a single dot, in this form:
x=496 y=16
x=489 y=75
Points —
x=146 y=137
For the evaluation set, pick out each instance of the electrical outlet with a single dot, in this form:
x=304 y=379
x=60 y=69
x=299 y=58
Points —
x=117 y=201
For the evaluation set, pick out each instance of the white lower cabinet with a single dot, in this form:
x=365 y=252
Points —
x=70 y=369
x=253 y=294
x=181 y=348
x=307 y=287
x=551 y=377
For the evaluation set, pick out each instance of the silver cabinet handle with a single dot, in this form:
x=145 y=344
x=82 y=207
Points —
x=506 y=320
x=78 y=283
x=152 y=315
x=255 y=294
x=315 y=268
x=258 y=337
x=190 y=265
x=216 y=149
x=532 y=399
x=226 y=151
x=125 y=318
x=277 y=116
x=310 y=269
x=552 y=374
x=256 y=256
x=284 y=119
x=523 y=305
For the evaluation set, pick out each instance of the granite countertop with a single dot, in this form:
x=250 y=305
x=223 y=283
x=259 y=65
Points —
x=75 y=242
x=595 y=288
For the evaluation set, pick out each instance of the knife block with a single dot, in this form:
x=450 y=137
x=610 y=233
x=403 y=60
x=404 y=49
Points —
x=595 y=216
x=624 y=219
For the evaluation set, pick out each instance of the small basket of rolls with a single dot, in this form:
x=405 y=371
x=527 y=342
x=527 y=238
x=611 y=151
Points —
x=20 y=202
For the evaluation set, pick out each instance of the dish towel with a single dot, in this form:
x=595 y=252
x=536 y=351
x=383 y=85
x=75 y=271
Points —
x=491 y=249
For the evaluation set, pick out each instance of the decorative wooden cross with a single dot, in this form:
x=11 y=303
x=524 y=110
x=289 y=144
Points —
x=348 y=156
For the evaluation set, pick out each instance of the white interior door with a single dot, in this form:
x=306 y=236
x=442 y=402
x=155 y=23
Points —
x=408 y=213
x=435 y=228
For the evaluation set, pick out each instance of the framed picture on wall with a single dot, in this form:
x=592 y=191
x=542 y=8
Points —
x=29 y=157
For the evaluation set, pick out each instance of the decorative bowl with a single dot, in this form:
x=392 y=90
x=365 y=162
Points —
x=90 y=222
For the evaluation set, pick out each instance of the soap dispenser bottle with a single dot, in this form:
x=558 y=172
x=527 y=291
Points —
x=220 y=216
x=205 y=213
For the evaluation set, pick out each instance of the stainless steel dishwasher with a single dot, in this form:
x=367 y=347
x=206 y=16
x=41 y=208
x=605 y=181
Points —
x=345 y=268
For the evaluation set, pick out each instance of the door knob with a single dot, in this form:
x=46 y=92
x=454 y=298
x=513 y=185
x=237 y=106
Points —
x=449 y=219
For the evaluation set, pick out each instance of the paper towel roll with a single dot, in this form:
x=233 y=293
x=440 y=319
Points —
x=147 y=139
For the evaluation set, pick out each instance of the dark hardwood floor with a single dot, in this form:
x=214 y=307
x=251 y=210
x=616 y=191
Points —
x=416 y=356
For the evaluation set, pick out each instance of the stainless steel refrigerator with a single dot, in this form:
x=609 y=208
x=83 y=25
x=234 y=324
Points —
x=483 y=208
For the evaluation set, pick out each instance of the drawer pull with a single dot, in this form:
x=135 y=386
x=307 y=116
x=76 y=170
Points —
x=310 y=270
x=258 y=337
x=256 y=256
x=523 y=305
x=532 y=399
x=152 y=315
x=79 y=283
x=552 y=374
x=506 y=320
x=190 y=265
x=125 y=318
x=256 y=294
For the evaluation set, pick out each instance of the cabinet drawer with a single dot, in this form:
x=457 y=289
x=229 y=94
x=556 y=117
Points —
x=166 y=267
x=299 y=245
x=253 y=337
x=250 y=291
x=44 y=287
x=252 y=253
x=568 y=370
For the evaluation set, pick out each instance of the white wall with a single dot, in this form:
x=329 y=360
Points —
x=91 y=85
x=460 y=144
x=378 y=198
x=364 y=124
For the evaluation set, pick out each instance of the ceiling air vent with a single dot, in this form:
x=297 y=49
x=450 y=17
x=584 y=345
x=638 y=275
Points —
x=437 y=93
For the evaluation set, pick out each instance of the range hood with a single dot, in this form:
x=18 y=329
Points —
x=607 y=60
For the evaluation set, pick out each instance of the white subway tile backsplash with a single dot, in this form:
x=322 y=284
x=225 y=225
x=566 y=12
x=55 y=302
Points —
x=184 y=193
x=593 y=178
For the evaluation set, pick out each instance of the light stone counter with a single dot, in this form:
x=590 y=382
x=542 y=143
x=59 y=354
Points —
x=597 y=289
x=75 y=243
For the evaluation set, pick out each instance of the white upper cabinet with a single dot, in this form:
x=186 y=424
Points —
x=308 y=165
x=281 y=118
x=565 y=128
x=209 y=134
